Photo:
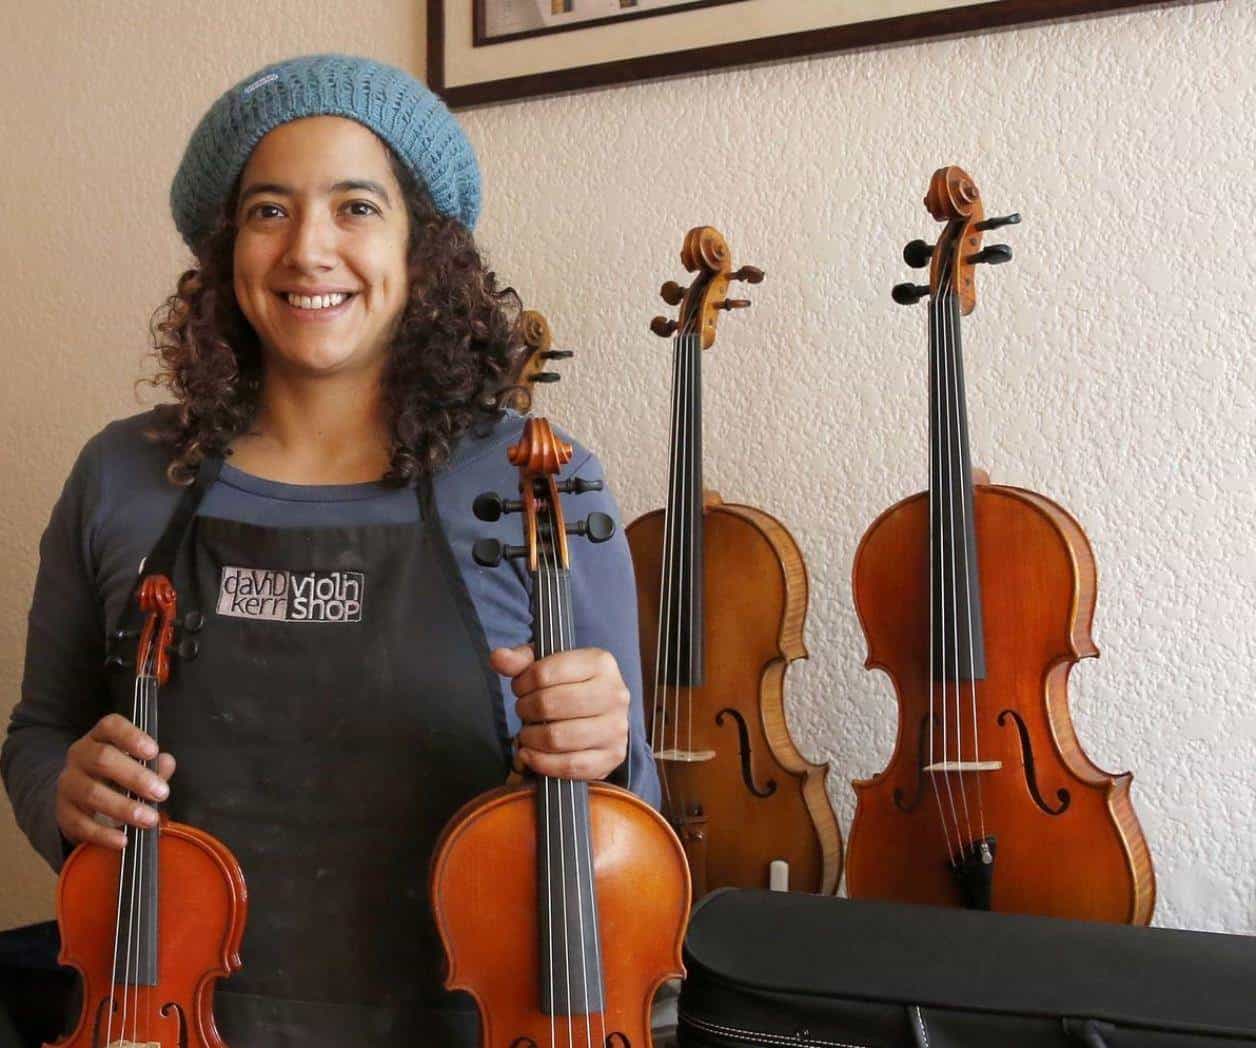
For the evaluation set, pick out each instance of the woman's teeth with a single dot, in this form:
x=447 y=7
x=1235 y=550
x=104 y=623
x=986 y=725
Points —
x=315 y=301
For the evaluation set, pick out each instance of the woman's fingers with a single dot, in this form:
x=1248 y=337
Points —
x=564 y=701
x=584 y=765
x=101 y=769
x=115 y=730
x=572 y=736
x=78 y=827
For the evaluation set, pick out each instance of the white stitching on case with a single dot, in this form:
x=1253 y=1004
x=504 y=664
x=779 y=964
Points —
x=758 y=1037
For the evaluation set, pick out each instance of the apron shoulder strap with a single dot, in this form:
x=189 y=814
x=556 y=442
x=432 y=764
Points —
x=161 y=557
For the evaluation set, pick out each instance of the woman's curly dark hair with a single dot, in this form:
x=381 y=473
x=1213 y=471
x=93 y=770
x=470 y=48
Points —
x=449 y=365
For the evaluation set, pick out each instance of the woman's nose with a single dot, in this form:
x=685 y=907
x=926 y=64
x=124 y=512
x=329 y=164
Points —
x=312 y=243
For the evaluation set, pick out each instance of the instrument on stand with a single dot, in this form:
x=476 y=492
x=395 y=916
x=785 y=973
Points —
x=561 y=905
x=151 y=930
x=722 y=595
x=977 y=600
x=534 y=360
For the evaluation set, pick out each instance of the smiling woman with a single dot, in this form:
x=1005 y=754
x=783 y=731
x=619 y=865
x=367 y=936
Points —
x=347 y=677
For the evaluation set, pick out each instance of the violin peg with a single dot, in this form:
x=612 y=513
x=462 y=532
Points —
x=193 y=622
x=750 y=274
x=917 y=254
x=490 y=506
x=994 y=223
x=995 y=255
x=487 y=553
x=909 y=294
x=578 y=486
x=663 y=327
x=558 y=354
x=597 y=527
x=672 y=293
x=546 y=376
x=188 y=649
x=733 y=303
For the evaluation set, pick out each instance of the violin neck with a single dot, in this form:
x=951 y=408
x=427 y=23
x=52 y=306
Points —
x=682 y=657
x=135 y=960
x=958 y=638
x=571 y=960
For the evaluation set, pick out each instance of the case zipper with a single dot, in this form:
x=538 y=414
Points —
x=801 y=1039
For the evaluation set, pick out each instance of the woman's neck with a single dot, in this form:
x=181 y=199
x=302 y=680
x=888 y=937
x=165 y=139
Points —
x=326 y=430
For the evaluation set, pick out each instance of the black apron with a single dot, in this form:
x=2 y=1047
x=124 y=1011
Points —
x=338 y=710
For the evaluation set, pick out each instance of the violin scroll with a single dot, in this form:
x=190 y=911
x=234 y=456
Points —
x=706 y=253
x=954 y=198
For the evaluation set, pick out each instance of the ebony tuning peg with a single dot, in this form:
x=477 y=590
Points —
x=578 y=486
x=125 y=634
x=193 y=622
x=117 y=662
x=995 y=223
x=488 y=553
x=188 y=648
x=490 y=506
x=672 y=293
x=663 y=327
x=597 y=527
x=749 y=274
x=917 y=254
x=546 y=376
x=558 y=354
x=995 y=255
x=909 y=294
x=733 y=303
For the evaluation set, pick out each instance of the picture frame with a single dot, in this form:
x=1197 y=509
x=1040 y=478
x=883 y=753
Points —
x=470 y=66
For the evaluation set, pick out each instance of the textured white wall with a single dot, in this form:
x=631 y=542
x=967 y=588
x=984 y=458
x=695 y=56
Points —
x=1108 y=365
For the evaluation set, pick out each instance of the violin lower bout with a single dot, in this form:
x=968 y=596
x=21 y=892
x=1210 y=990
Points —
x=484 y=891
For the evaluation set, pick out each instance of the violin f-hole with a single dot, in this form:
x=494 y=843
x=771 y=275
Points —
x=1031 y=778
x=747 y=772
x=899 y=803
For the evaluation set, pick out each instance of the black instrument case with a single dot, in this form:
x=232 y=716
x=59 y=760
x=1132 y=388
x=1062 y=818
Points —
x=785 y=969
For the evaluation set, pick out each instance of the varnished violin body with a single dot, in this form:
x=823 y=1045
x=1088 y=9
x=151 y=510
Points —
x=1068 y=841
x=722 y=597
x=977 y=601
x=561 y=904
x=489 y=923
x=200 y=920
x=760 y=800
x=152 y=929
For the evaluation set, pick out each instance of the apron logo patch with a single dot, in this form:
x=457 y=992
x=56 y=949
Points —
x=291 y=596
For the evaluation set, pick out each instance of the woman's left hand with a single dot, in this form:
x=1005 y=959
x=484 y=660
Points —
x=574 y=708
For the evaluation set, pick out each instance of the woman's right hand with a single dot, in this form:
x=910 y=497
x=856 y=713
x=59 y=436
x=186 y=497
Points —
x=99 y=769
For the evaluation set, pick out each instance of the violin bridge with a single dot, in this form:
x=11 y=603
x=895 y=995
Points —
x=133 y=1044
x=945 y=766
x=685 y=756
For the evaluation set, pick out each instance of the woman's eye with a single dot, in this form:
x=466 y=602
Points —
x=367 y=209
x=271 y=211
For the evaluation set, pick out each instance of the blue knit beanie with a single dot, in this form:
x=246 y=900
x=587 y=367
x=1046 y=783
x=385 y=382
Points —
x=399 y=109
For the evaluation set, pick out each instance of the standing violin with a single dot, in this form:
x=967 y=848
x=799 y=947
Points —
x=722 y=595
x=151 y=930
x=561 y=904
x=977 y=600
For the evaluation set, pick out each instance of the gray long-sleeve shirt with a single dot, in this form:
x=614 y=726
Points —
x=116 y=503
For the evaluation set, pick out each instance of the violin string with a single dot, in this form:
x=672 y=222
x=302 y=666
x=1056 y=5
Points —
x=117 y=926
x=691 y=454
x=132 y=850
x=953 y=470
x=934 y=539
x=553 y=569
x=662 y=661
x=940 y=566
x=547 y=648
x=953 y=320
